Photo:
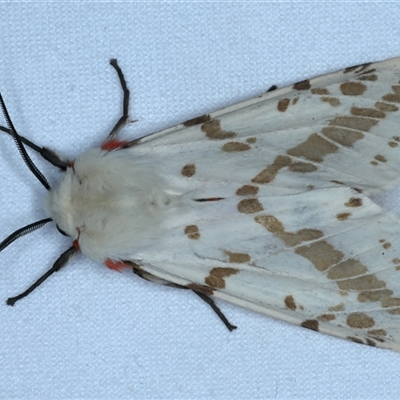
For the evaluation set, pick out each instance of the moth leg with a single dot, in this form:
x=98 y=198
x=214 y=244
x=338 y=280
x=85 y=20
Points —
x=216 y=309
x=149 y=277
x=124 y=119
x=59 y=263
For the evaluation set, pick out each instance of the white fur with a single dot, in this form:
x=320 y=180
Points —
x=114 y=203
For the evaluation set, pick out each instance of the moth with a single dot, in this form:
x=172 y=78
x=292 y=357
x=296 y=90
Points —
x=265 y=204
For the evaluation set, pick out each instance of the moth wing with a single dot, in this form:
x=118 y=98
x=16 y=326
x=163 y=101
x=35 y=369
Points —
x=327 y=259
x=340 y=128
x=288 y=228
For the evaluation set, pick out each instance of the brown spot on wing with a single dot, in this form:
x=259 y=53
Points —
x=393 y=97
x=312 y=324
x=197 y=120
x=380 y=158
x=370 y=342
x=377 y=332
x=360 y=321
x=217 y=275
x=343 y=136
x=249 y=206
x=393 y=144
x=302 y=167
x=273 y=225
x=372 y=78
x=346 y=269
x=390 y=302
x=360 y=68
x=213 y=130
x=354 y=339
x=303 y=235
x=321 y=254
x=343 y=216
x=235 y=146
x=339 y=307
x=290 y=303
x=368 y=71
x=374 y=295
x=188 y=170
x=313 y=149
x=354 y=202
x=251 y=140
x=378 y=339
x=320 y=91
x=326 y=317
x=385 y=107
x=247 y=190
x=192 y=232
x=268 y=174
x=366 y=282
x=332 y=101
x=367 y=112
x=237 y=258
x=357 y=123
x=283 y=105
x=303 y=85
x=353 y=88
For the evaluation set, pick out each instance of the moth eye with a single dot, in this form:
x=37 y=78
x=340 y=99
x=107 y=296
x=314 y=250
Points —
x=61 y=231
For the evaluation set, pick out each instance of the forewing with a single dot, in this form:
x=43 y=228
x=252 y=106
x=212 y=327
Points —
x=341 y=128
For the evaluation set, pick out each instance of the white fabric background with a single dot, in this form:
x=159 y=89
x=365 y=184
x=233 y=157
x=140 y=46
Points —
x=92 y=333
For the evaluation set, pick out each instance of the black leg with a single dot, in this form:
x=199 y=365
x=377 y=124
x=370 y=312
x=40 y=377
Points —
x=60 y=262
x=216 y=309
x=125 y=105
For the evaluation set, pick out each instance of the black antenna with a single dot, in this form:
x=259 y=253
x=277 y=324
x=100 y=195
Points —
x=23 y=231
x=21 y=148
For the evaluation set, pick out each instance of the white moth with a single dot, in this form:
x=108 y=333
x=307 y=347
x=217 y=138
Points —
x=265 y=204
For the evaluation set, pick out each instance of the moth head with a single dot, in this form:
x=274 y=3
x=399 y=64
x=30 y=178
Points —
x=58 y=205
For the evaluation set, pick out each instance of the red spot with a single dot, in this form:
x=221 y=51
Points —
x=114 y=144
x=76 y=244
x=116 y=265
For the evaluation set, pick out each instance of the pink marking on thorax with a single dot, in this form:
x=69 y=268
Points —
x=116 y=265
x=114 y=144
